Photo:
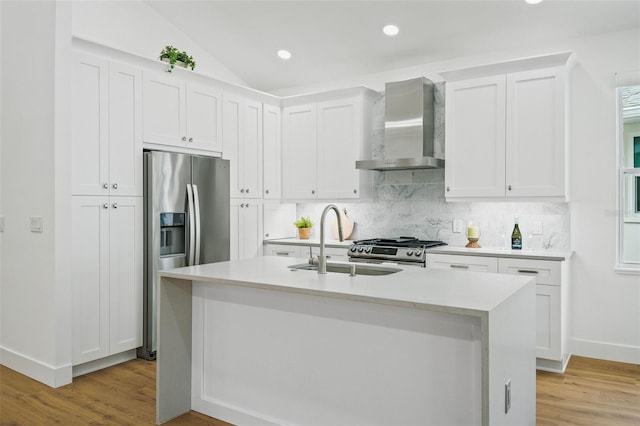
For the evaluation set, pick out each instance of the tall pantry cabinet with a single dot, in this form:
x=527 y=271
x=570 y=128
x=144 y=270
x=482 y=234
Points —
x=106 y=208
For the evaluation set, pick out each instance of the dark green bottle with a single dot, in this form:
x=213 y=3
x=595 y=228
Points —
x=516 y=236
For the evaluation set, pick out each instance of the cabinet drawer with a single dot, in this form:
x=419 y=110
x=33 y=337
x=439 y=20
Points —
x=462 y=263
x=332 y=253
x=546 y=271
x=281 y=250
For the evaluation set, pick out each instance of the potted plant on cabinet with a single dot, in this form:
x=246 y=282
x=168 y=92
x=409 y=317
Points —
x=173 y=56
x=304 y=226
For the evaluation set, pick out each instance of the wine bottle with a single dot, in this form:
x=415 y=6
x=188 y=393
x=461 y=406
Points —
x=516 y=236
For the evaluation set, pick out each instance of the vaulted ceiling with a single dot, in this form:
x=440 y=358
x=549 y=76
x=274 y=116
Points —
x=337 y=39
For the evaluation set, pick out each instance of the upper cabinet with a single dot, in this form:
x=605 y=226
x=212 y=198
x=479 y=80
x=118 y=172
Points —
x=506 y=133
x=321 y=142
x=242 y=138
x=271 y=152
x=181 y=114
x=106 y=137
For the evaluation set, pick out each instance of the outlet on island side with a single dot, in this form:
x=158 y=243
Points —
x=507 y=396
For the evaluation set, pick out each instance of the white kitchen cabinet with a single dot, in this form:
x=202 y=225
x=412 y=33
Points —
x=336 y=254
x=106 y=137
x=272 y=152
x=242 y=137
x=181 y=114
x=285 y=250
x=106 y=276
x=506 y=134
x=552 y=282
x=321 y=142
x=552 y=291
x=246 y=228
x=299 y=152
x=463 y=263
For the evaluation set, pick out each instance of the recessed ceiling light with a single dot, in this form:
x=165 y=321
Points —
x=533 y=1
x=284 y=54
x=390 y=30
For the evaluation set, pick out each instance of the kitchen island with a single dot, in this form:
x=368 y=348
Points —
x=253 y=342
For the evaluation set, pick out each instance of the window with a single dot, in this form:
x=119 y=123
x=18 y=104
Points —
x=629 y=179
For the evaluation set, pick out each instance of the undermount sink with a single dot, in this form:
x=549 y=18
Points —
x=348 y=268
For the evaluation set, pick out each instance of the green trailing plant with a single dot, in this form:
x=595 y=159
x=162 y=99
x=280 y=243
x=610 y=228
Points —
x=303 y=222
x=173 y=55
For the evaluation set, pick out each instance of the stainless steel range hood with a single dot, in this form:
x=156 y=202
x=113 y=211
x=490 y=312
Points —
x=408 y=128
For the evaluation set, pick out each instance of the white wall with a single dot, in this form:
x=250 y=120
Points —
x=605 y=305
x=133 y=26
x=34 y=312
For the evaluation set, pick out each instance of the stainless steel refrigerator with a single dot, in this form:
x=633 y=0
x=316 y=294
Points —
x=186 y=201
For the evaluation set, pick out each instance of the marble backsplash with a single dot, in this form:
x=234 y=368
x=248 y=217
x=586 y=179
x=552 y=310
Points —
x=412 y=203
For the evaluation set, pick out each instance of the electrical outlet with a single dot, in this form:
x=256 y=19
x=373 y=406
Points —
x=37 y=224
x=457 y=226
x=537 y=227
x=507 y=396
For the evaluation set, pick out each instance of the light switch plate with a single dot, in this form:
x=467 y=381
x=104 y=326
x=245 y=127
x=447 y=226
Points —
x=457 y=225
x=37 y=224
x=537 y=227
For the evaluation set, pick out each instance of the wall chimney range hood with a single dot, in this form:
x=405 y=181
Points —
x=408 y=128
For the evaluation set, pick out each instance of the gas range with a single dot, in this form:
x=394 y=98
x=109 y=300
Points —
x=401 y=250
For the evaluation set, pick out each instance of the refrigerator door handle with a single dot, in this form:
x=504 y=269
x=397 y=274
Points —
x=196 y=204
x=192 y=225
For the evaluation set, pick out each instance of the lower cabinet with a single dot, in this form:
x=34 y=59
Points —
x=246 y=228
x=106 y=276
x=552 y=283
x=305 y=251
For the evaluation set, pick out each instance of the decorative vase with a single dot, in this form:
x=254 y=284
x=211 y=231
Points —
x=304 y=233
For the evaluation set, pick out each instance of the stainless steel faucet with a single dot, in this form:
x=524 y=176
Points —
x=322 y=259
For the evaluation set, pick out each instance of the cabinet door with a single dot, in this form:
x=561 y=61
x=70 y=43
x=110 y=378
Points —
x=204 y=118
x=90 y=278
x=246 y=229
x=164 y=109
x=232 y=134
x=89 y=126
x=299 y=155
x=125 y=272
x=535 y=150
x=548 y=326
x=125 y=130
x=339 y=135
x=271 y=152
x=475 y=138
x=462 y=263
x=251 y=149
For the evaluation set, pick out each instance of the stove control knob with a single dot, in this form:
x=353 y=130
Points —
x=368 y=249
x=409 y=252
x=360 y=249
x=353 y=248
x=418 y=253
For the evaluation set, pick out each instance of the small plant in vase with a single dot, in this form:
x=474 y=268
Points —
x=173 y=56
x=304 y=226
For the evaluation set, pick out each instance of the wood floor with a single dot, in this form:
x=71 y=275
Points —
x=591 y=392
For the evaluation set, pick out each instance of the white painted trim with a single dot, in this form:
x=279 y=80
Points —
x=99 y=364
x=37 y=370
x=606 y=351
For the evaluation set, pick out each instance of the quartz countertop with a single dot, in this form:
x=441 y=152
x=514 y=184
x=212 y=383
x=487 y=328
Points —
x=504 y=253
x=460 y=292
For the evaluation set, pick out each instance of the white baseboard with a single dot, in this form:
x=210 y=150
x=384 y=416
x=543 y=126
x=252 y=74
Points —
x=606 y=351
x=99 y=364
x=37 y=370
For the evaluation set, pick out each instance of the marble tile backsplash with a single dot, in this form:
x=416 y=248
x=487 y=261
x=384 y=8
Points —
x=412 y=203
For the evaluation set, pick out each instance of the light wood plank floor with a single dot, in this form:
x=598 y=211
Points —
x=591 y=392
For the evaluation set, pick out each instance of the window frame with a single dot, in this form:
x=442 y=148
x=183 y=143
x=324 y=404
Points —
x=626 y=212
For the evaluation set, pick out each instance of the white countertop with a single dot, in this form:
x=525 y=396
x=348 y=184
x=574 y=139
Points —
x=313 y=242
x=505 y=253
x=460 y=292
